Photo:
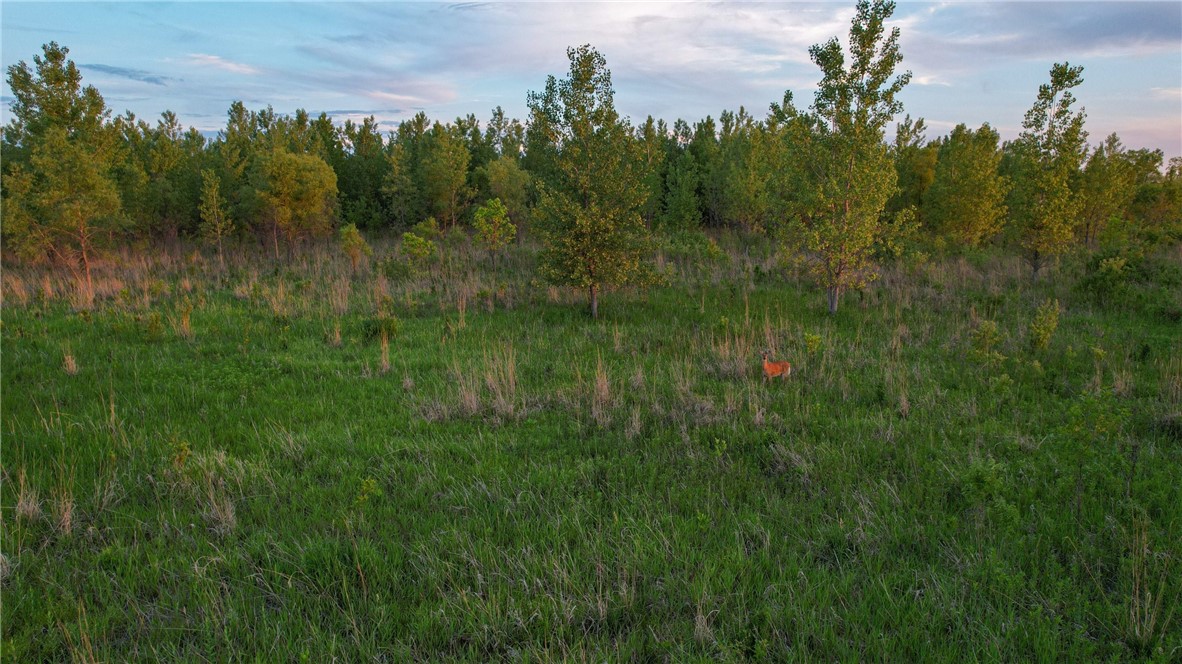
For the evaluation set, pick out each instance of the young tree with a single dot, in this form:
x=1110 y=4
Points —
x=589 y=213
x=354 y=245
x=839 y=175
x=60 y=199
x=915 y=165
x=494 y=230
x=510 y=183
x=1049 y=152
x=1107 y=188
x=965 y=205
x=445 y=174
x=63 y=205
x=216 y=225
x=298 y=193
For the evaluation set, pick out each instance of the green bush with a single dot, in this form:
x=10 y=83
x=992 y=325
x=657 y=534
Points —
x=1042 y=328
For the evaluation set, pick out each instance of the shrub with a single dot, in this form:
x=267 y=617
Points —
x=353 y=244
x=1042 y=328
x=418 y=251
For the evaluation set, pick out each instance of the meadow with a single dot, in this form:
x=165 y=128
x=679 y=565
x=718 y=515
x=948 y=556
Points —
x=296 y=461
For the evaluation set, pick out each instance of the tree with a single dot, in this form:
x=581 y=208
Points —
x=748 y=157
x=361 y=172
x=1107 y=187
x=650 y=141
x=59 y=197
x=64 y=205
x=298 y=193
x=840 y=176
x=915 y=166
x=353 y=244
x=1048 y=155
x=965 y=204
x=682 y=210
x=445 y=174
x=589 y=210
x=510 y=183
x=493 y=228
x=216 y=225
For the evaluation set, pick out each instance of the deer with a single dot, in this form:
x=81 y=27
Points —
x=775 y=369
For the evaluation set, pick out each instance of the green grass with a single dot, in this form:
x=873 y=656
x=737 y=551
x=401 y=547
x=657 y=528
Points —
x=526 y=483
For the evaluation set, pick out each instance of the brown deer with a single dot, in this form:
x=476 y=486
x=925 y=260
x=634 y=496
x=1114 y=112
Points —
x=775 y=369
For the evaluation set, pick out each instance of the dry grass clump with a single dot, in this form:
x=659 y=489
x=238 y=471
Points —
x=338 y=295
x=500 y=378
x=601 y=396
x=14 y=286
x=69 y=364
x=28 y=505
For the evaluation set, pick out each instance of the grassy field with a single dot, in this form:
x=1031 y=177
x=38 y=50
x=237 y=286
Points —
x=260 y=463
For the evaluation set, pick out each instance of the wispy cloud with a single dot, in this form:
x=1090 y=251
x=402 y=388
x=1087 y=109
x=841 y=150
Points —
x=1166 y=93
x=223 y=64
x=133 y=74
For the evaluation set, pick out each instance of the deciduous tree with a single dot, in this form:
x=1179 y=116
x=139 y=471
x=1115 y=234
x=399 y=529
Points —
x=589 y=213
x=965 y=204
x=840 y=174
x=1044 y=206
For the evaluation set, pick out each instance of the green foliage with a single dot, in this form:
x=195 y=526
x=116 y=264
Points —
x=428 y=229
x=494 y=230
x=1044 y=324
x=510 y=184
x=60 y=199
x=965 y=206
x=298 y=193
x=915 y=165
x=588 y=214
x=445 y=174
x=1049 y=152
x=838 y=179
x=353 y=244
x=984 y=342
x=216 y=224
x=812 y=343
x=418 y=251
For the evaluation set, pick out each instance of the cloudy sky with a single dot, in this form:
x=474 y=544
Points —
x=973 y=62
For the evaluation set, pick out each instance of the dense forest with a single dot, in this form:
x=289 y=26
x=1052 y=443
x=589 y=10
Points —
x=826 y=182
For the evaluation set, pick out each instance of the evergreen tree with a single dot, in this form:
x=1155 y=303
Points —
x=60 y=198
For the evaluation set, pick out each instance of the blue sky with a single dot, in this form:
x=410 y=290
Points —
x=972 y=62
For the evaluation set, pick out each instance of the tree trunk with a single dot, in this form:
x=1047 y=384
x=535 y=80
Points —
x=275 y=240
x=833 y=293
x=86 y=266
x=594 y=292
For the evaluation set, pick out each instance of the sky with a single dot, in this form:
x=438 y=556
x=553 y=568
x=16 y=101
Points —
x=972 y=62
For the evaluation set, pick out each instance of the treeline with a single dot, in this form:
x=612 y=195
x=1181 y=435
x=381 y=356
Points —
x=826 y=181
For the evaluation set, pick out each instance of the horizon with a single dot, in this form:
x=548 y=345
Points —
x=972 y=63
